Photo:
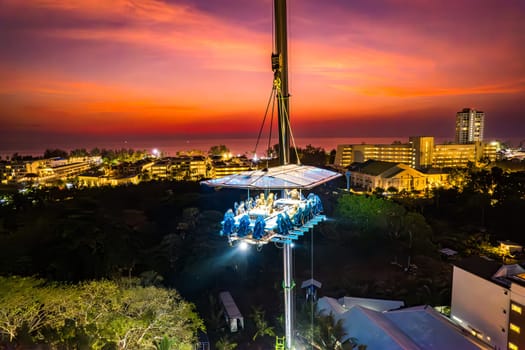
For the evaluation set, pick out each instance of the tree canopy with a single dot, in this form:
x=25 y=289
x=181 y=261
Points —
x=218 y=150
x=99 y=314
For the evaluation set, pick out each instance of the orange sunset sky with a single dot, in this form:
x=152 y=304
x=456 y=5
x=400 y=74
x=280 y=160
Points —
x=173 y=68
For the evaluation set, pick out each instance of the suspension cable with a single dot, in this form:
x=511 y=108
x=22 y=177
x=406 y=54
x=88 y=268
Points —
x=287 y=119
x=270 y=99
x=270 y=133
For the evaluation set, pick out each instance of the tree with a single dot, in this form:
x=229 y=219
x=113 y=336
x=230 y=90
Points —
x=20 y=306
x=225 y=344
x=392 y=190
x=52 y=153
x=218 y=150
x=78 y=152
x=101 y=314
x=311 y=155
x=260 y=324
x=329 y=332
x=165 y=344
x=331 y=157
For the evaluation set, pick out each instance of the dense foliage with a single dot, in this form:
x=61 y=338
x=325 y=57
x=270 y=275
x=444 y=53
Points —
x=72 y=234
x=383 y=220
x=97 y=314
x=382 y=245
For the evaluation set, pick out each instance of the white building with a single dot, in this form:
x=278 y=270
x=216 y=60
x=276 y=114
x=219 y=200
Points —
x=488 y=300
x=373 y=174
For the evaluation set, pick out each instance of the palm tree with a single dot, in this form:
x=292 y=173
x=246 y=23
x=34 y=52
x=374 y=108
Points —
x=165 y=344
x=329 y=332
x=260 y=324
x=225 y=344
x=321 y=331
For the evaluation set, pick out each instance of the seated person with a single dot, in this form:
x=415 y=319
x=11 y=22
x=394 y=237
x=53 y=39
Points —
x=294 y=194
x=260 y=202
x=269 y=202
x=240 y=209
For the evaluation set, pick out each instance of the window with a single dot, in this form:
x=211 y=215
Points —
x=515 y=308
x=512 y=346
x=514 y=328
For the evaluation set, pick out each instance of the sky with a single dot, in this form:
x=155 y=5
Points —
x=88 y=69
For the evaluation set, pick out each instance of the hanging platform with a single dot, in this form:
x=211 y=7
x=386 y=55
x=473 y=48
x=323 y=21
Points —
x=301 y=177
x=266 y=218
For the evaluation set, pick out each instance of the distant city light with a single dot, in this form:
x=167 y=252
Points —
x=155 y=152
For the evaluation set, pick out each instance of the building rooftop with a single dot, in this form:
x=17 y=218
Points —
x=493 y=271
x=419 y=327
x=373 y=167
x=480 y=266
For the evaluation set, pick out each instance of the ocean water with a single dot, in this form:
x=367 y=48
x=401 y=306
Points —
x=237 y=146
x=170 y=147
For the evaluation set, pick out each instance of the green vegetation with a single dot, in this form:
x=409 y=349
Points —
x=97 y=314
x=166 y=233
x=258 y=317
x=218 y=150
x=383 y=222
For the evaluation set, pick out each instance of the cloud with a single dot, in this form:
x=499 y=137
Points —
x=187 y=64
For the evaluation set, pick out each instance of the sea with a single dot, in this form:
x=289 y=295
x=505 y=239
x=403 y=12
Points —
x=171 y=147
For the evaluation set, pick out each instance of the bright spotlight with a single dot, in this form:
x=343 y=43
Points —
x=243 y=246
x=292 y=245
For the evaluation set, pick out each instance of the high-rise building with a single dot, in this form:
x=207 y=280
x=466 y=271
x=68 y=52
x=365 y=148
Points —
x=469 y=126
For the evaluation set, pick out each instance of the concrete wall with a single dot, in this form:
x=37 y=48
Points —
x=481 y=305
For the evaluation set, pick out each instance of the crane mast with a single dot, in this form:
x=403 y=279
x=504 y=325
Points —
x=280 y=69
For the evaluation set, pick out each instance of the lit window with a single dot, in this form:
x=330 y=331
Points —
x=512 y=346
x=516 y=308
x=514 y=328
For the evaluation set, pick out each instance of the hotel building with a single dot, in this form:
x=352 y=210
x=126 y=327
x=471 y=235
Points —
x=420 y=152
x=395 y=153
x=470 y=125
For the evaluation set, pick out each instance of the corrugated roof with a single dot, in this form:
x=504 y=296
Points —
x=429 y=329
x=372 y=304
x=419 y=327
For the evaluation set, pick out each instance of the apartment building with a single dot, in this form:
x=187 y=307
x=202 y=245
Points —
x=420 y=152
x=228 y=167
x=470 y=125
x=396 y=152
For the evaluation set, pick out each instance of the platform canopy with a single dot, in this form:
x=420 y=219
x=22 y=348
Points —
x=281 y=177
